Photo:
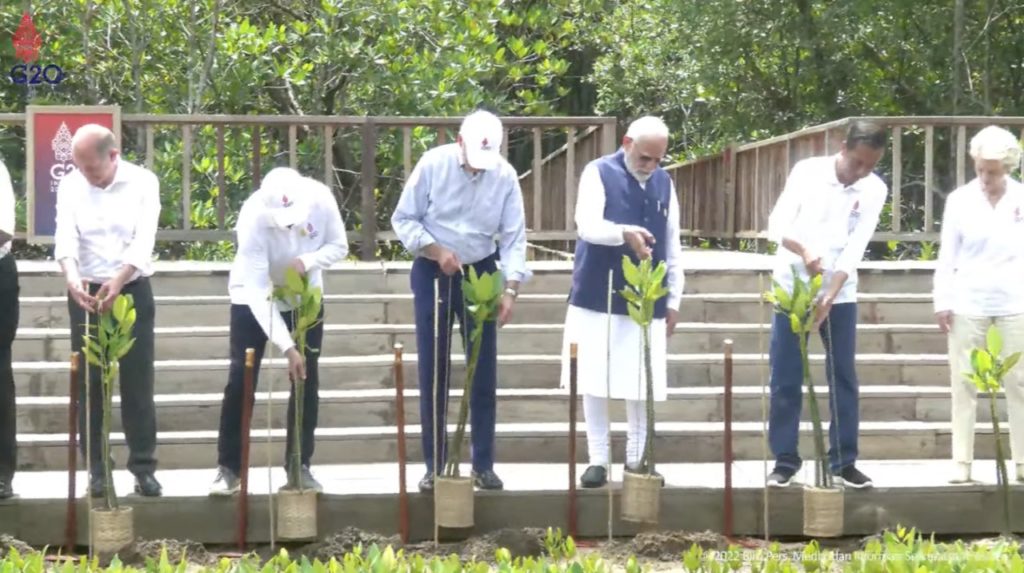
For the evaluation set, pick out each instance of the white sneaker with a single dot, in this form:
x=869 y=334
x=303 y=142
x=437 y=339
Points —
x=961 y=472
x=226 y=484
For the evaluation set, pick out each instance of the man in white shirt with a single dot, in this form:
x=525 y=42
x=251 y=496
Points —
x=979 y=281
x=291 y=221
x=457 y=199
x=8 y=328
x=627 y=205
x=107 y=215
x=822 y=223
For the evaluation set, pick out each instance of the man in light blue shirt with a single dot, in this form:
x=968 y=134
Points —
x=458 y=200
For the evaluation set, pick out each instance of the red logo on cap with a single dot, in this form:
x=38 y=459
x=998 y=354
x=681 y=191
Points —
x=26 y=40
x=484 y=143
x=285 y=202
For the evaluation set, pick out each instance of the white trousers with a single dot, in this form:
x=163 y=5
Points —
x=595 y=412
x=967 y=333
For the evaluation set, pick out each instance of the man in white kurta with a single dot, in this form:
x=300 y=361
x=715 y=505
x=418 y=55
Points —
x=626 y=205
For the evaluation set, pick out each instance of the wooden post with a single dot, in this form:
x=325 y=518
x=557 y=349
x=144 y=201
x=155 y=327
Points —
x=403 y=495
x=573 y=393
x=222 y=192
x=186 y=177
x=897 y=179
x=929 y=177
x=727 y=527
x=257 y=172
x=247 y=400
x=71 y=519
x=369 y=184
x=538 y=180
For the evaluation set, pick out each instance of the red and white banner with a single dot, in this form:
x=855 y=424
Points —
x=48 y=153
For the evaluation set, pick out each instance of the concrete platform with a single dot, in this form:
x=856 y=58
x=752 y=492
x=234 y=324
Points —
x=911 y=493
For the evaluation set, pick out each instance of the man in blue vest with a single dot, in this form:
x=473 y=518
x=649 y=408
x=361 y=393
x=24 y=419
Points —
x=626 y=205
x=457 y=199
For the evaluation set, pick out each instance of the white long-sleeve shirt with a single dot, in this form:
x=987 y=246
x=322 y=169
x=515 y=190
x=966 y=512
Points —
x=592 y=227
x=7 y=205
x=266 y=251
x=980 y=269
x=104 y=229
x=832 y=220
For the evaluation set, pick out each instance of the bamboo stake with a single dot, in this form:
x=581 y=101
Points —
x=572 y=439
x=608 y=400
x=403 y=496
x=71 y=519
x=727 y=450
x=247 y=400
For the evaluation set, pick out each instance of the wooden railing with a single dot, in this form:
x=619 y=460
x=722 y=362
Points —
x=730 y=195
x=360 y=160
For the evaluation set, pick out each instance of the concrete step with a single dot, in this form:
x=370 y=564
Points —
x=514 y=371
x=706 y=271
x=364 y=408
x=213 y=310
x=206 y=342
x=676 y=442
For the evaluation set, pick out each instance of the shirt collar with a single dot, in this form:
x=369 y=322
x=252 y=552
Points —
x=120 y=176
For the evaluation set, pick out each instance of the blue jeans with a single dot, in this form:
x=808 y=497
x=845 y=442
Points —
x=482 y=400
x=839 y=337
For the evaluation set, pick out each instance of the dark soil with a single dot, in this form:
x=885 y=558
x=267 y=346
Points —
x=520 y=543
x=177 y=550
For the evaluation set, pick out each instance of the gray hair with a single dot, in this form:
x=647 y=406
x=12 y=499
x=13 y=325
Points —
x=996 y=143
x=101 y=138
x=647 y=126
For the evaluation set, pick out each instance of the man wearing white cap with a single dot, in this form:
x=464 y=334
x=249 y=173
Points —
x=291 y=221
x=457 y=199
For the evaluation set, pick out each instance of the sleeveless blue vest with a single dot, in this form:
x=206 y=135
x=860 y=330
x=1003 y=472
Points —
x=626 y=203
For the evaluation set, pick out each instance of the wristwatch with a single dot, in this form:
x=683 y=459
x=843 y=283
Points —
x=512 y=292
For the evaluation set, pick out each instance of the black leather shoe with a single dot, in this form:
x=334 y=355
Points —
x=146 y=485
x=6 y=488
x=96 y=486
x=487 y=479
x=427 y=482
x=595 y=476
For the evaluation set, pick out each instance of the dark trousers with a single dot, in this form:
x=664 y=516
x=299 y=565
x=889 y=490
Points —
x=246 y=333
x=482 y=407
x=839 y=337
x=8 y=329
x=138 y=412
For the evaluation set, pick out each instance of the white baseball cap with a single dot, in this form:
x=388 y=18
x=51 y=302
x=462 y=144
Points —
x=285 y=197
x=481 y=134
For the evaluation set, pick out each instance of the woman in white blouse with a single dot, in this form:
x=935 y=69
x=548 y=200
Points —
x=979 y=281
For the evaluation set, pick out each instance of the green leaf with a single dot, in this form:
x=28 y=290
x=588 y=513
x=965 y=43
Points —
x=1009 y=363
x=120 y=307
x=484 y=287
x=293 y=280
x=783 y=298
x=129 y=320
x=630 y=271
x=659 y=273
x=981 y=361
x=636 y=315
x=794 y=323
x=994 y=341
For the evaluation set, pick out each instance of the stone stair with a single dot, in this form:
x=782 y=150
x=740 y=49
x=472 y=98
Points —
x=901 y=360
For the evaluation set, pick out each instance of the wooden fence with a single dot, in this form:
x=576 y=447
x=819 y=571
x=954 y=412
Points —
x=549 y=152
x=730 y=195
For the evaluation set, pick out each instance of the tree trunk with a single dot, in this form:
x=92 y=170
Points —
x=958 y=41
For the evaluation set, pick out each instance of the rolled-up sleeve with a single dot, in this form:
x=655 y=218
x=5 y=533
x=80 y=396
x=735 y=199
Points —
x=512 y=232
x=853 y=252
x=139 y=253
x=949 y=251
x=407 y=220
x=65 y=235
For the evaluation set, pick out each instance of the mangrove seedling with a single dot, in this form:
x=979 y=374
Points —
x=305 y=301
x=104 y=347
x=644 y=286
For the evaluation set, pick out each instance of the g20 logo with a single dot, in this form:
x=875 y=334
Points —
x=34 y=74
